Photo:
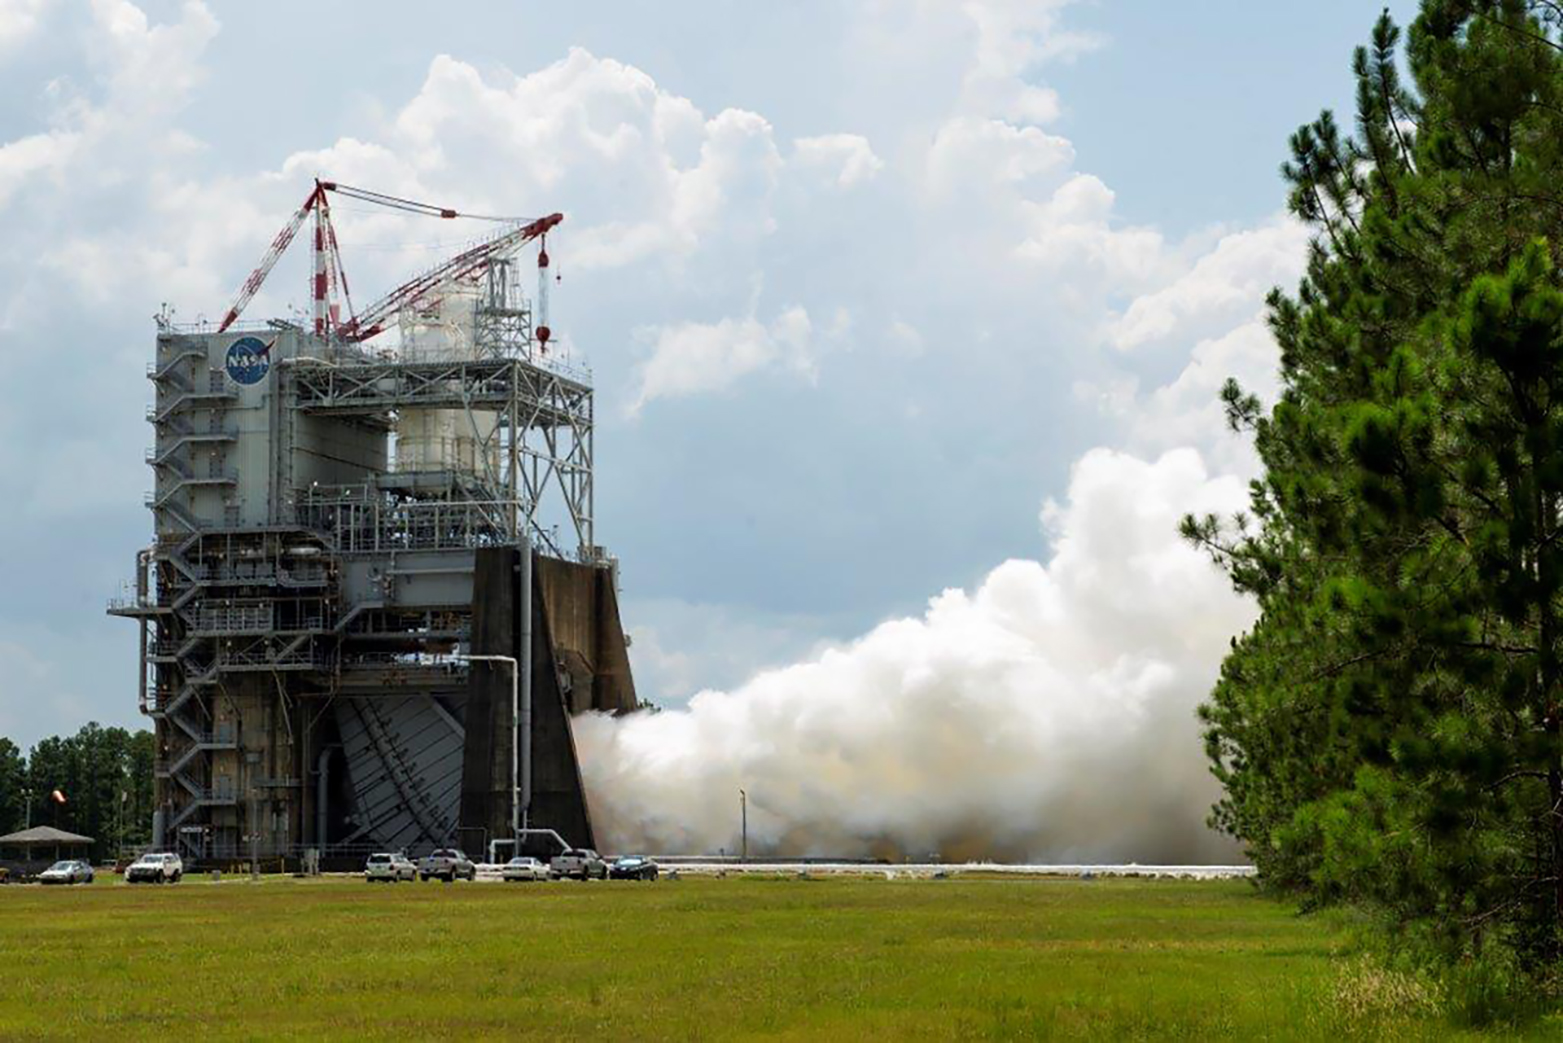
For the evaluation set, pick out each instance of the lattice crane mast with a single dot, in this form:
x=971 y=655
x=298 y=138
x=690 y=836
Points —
x=329 y=273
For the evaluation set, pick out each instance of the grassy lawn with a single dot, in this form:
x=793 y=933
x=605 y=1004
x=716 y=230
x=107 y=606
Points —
x=686 y=959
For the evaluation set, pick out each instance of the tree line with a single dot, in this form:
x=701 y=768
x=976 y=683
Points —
x=104 y=774
x=1390 y=732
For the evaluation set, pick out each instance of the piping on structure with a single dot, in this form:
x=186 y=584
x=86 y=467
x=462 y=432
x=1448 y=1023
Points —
x=337 y=527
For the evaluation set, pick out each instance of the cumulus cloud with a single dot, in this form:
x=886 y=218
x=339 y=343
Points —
x=18 y=21
x=971 y=154
x=1014 y=38
x=695 y=357
x=680 y=646
x=98 y=185
x=1216 y=304
x=1046 y=715
x=1188 y=411
x=1221 y=285
x=1075 y=229
x=147 y=72
x=845 y=159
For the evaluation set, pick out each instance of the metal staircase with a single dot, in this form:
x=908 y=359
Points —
x=184 y=653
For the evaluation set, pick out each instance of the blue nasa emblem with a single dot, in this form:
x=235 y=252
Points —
x=249 y=360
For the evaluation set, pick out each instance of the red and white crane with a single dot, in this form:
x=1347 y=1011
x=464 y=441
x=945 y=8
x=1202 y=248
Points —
x=329 y=276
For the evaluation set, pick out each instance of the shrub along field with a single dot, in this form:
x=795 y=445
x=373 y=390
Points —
x=693 y=959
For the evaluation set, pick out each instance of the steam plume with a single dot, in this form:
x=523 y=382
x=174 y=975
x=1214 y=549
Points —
x=1047 y=716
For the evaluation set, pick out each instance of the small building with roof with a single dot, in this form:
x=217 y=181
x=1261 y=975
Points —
x=31 y=851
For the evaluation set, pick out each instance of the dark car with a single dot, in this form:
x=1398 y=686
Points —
x=633 y=867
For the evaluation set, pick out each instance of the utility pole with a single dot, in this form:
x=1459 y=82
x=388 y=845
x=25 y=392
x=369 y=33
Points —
x=119 y=817
x=743 y=811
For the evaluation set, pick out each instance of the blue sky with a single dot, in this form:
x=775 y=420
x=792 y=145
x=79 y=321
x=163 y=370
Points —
x=863 y=282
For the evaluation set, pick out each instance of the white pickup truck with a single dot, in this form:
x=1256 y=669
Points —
x=580 y=863
x=447 y=864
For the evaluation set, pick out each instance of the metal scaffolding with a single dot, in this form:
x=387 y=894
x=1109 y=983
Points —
x=233 y=603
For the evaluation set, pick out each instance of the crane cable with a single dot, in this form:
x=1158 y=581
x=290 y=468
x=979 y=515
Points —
x=412 y=206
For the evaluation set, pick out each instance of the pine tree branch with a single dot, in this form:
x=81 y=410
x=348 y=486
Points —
x=1518 y=31
x=1512 y=776
x=1452 y=529
x=1335 y=669
x=1394 y=124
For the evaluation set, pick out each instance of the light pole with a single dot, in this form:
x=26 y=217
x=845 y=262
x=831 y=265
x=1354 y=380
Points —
x=743 y=811
x=520 y=743
x=27 y=808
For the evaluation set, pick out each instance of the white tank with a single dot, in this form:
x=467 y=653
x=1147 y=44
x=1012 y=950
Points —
x=445 y=439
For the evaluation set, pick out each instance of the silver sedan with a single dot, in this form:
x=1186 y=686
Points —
x=66 y=872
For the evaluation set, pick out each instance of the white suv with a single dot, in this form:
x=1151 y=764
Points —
x=155 y=868
x=390 y=868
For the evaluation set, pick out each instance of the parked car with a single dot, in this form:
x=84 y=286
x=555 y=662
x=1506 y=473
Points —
x=156 y=867
x=580 y=863
x=67 y=871
x=447 y=864
x=389 y=867
x=633 y=867
x=524 y=867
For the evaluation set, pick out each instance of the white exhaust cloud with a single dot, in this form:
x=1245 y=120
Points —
x=1048 y=715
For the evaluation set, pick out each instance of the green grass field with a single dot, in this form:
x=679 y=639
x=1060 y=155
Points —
x=689 y=959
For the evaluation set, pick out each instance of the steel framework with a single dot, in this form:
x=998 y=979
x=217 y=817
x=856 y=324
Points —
x=308 y=599
x=227 y=606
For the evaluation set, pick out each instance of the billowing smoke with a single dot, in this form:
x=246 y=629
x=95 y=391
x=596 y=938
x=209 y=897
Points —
x=1047 y=716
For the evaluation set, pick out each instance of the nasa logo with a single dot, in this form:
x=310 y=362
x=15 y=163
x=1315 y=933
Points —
x=249 y=360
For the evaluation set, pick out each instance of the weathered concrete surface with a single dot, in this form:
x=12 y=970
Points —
x=579 y=663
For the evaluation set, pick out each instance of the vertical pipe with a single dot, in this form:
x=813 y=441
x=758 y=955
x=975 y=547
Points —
x=143 y=559
x=526 y=686
x=514 y=459
x=254 y=824
x=322 y=791
x=515 y=744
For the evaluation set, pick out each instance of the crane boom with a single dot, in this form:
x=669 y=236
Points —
x=376 y=317
x=278 y=247
x=329 y=274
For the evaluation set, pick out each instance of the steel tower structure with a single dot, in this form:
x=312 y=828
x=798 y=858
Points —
x=337 y=527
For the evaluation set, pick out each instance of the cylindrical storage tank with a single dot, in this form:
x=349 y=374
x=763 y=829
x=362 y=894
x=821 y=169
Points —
x=445 y=439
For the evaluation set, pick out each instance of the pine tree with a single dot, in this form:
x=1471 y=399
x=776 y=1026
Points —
x=105 y=775
x=1389 y=732
x=13 y=781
